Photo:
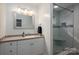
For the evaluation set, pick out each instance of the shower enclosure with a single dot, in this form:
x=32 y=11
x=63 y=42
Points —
x=63 y=27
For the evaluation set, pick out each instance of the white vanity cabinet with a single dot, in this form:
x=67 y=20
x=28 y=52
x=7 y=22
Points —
x=31 y=47
x=8 y=48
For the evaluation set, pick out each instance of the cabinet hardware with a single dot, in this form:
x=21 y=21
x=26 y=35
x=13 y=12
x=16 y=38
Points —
x=32 y=44
x=10 y=43
x=11 y=51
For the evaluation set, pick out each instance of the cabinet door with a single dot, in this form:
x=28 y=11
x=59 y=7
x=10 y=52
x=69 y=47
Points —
x=24 y=47
x=38 y=46
x=8 y=48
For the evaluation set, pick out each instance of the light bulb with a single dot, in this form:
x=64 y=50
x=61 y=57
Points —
x=25 y=12
x=30 y=13
x=20 y=10
x=55 y=6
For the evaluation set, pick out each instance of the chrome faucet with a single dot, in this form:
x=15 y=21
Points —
x=23 y=34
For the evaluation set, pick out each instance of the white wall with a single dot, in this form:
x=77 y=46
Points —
x=10 y=19
x=45 y=21
x=2 y=20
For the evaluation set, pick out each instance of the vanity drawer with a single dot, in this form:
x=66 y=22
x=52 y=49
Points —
x=8 y=48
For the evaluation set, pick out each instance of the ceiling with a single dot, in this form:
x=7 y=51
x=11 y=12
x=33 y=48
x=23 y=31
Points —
x=65 y=5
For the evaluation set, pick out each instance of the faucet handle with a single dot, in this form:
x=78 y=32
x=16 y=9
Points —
x=23 y=34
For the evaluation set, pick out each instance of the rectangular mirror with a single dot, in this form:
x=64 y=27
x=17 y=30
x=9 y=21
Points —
x=23 y=21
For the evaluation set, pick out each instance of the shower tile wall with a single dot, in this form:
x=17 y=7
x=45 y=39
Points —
x=67 y=32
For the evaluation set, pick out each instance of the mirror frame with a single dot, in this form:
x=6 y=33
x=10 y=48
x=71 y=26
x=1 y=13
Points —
x=14 y=22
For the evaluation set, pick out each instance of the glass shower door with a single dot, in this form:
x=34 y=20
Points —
x=63 y=30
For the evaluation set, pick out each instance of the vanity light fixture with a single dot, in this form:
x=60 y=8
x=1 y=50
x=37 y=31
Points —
x=23 y=11
x=18 y=10
x=30 y=13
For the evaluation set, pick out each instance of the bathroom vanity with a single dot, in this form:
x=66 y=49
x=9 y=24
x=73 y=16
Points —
x=28 y=45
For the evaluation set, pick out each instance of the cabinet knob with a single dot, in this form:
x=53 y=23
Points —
x=11 y=44
x=11 y=51
x=32 y=44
